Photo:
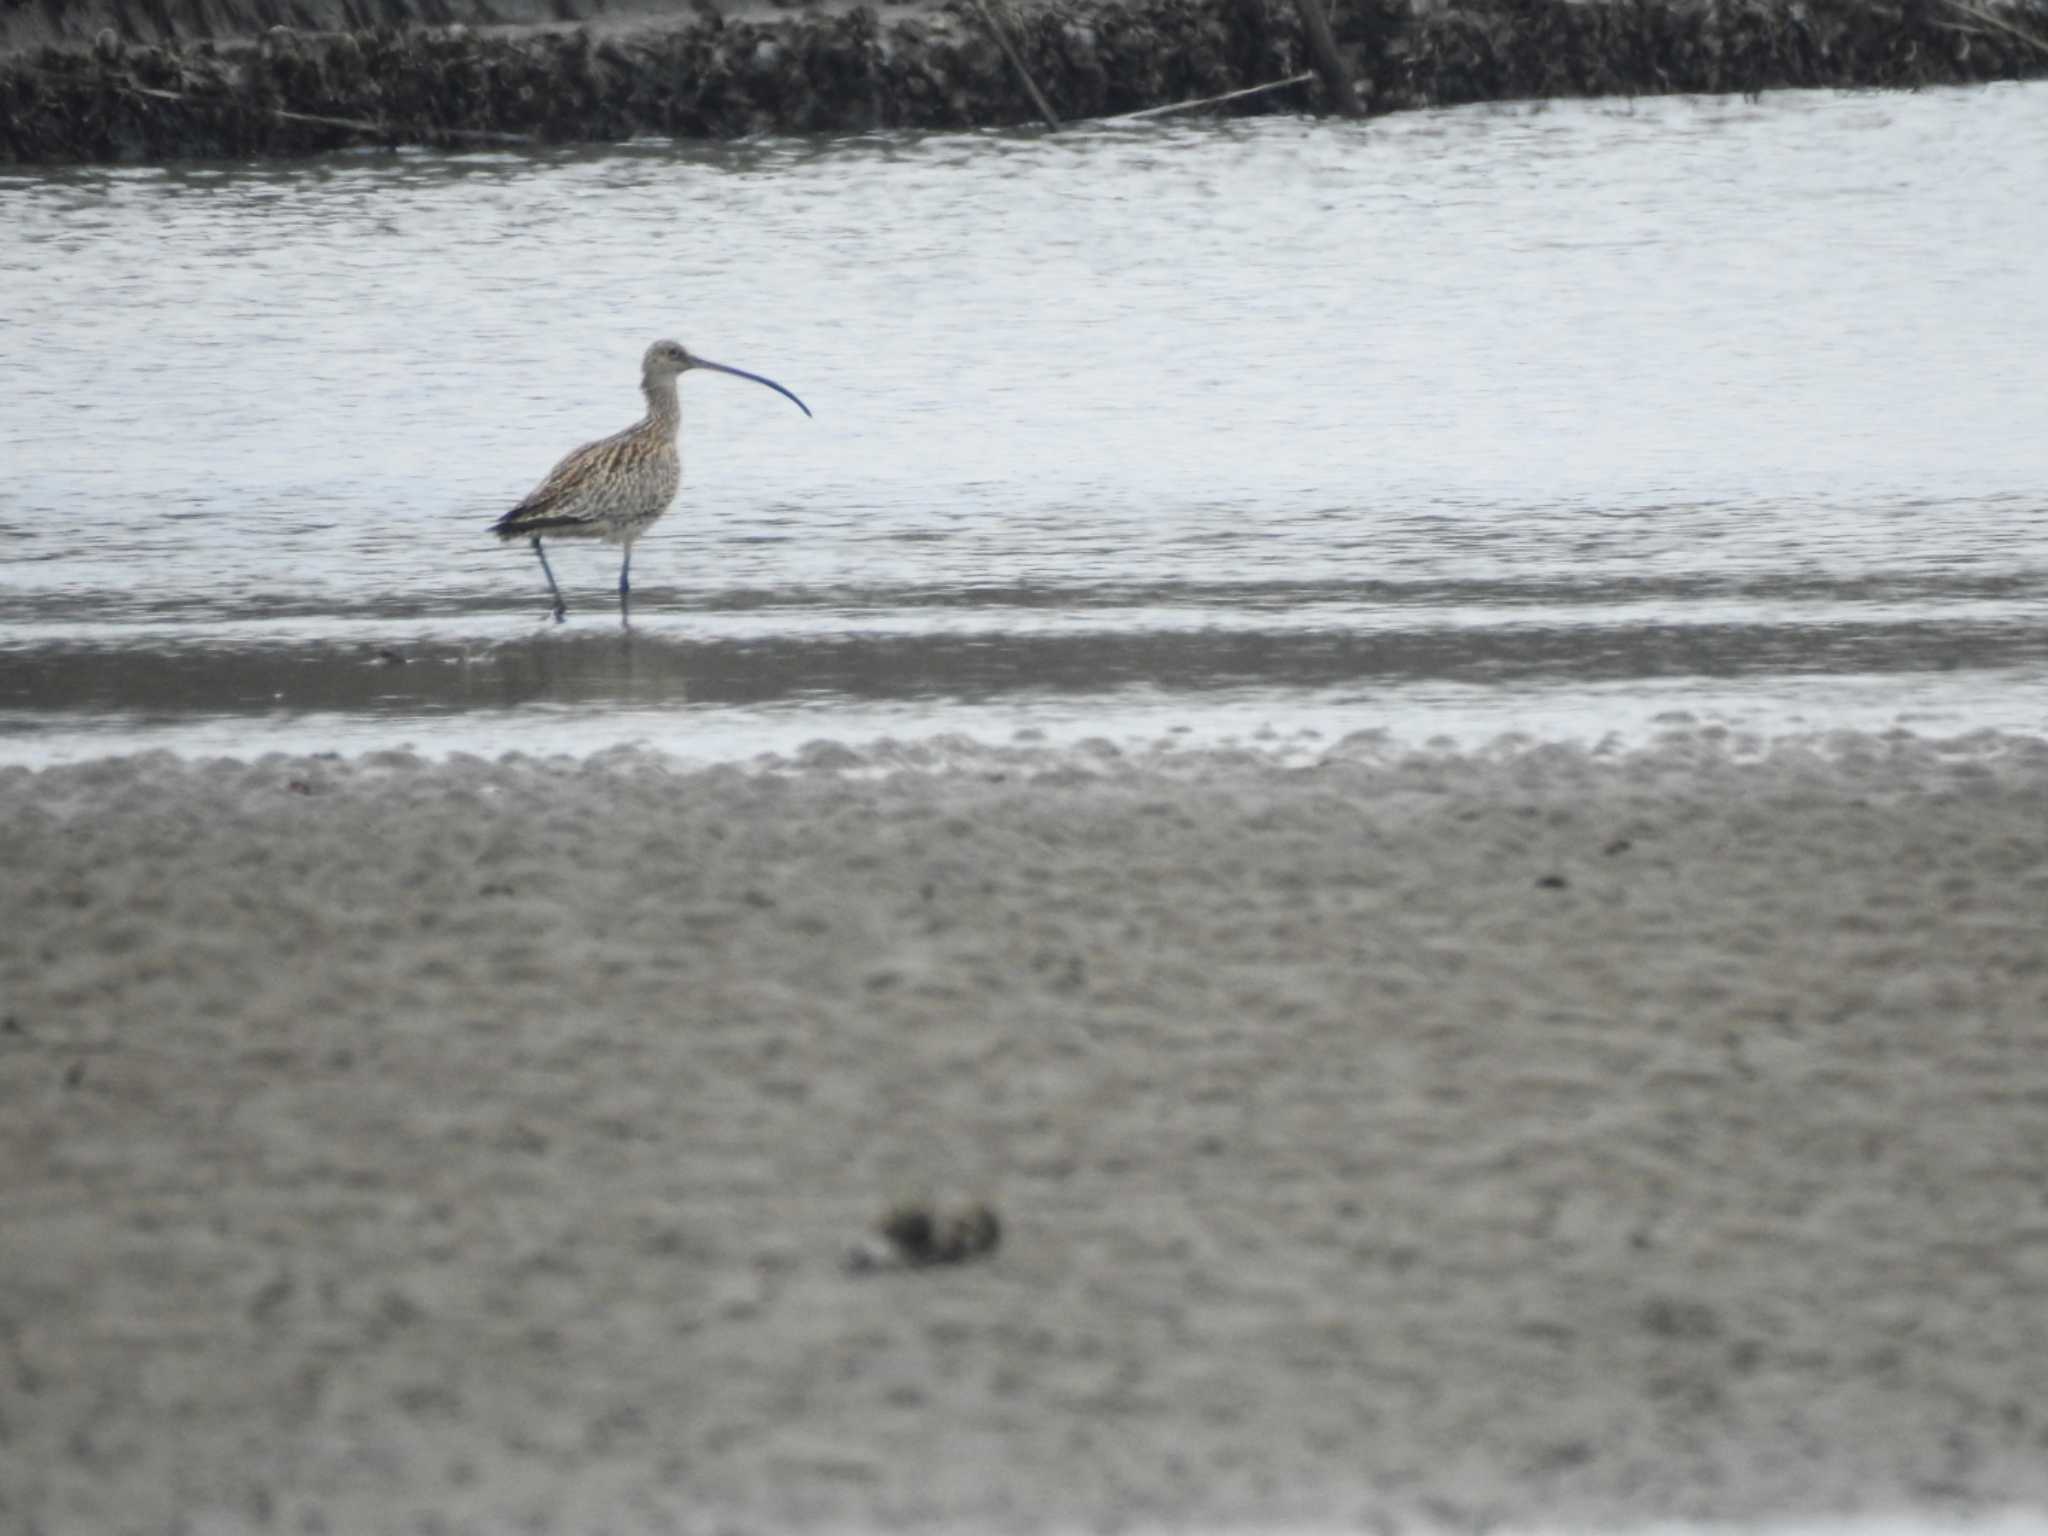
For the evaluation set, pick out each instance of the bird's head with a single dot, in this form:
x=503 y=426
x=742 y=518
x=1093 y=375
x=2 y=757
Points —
x=666 y=359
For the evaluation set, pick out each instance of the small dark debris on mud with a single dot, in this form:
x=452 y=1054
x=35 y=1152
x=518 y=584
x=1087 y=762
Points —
x=922 y=1235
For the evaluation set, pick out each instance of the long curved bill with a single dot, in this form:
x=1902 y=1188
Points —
x=741 y=373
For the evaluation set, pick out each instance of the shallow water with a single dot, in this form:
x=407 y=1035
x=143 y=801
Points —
x=1570 y=420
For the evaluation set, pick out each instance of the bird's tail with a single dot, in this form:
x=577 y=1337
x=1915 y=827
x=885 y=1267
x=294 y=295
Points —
x=524 y=522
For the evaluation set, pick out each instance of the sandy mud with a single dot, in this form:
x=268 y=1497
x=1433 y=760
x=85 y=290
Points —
x=1405 y=1140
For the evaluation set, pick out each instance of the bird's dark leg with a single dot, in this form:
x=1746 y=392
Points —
x=560 y=606
x=625 y=586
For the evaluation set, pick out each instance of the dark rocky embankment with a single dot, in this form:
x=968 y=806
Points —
x=329 y=73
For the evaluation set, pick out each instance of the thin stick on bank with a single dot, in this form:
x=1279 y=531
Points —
x=1329 y=62
x=2000 y=23
x=1209 y=101
x=1017 y=63
x=379 y=130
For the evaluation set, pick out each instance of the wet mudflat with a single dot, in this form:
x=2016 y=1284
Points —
x=1411 y=1142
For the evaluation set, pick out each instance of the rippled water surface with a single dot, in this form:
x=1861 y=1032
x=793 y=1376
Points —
x=1560 y=420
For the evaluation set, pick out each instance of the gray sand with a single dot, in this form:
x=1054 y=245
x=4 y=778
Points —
x=1428 y=1141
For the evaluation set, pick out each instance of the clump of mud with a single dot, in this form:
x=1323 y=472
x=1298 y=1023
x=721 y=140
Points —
x=919 y=1235
x=298 y=93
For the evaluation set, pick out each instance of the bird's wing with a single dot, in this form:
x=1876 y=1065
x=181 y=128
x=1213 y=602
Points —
x=551 y=504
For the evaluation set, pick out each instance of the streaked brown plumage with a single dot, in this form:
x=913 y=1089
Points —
x=615 y=488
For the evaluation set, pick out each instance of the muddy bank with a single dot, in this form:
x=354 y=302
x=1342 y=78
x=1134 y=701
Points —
x=74 y=24
x=1405 y=1142
x=624 y=74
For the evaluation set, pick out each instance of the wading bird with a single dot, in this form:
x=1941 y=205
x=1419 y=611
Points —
x=614 y=489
